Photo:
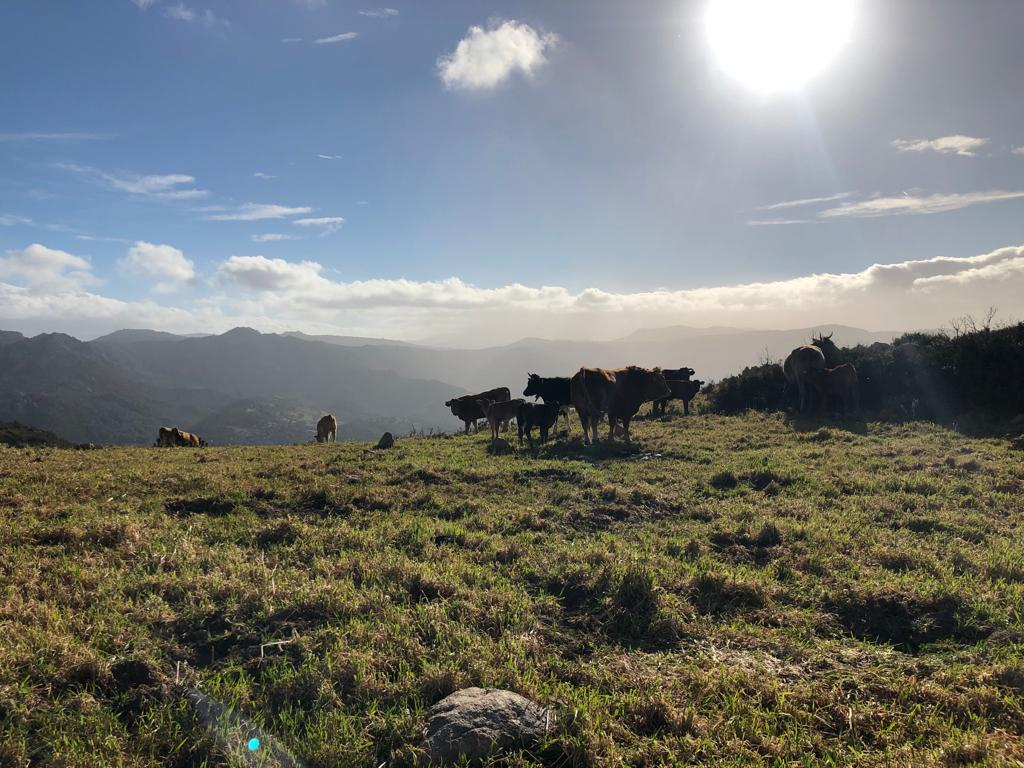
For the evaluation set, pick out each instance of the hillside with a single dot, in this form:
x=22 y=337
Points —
x=21 y=436
x=121 y=388
x=727 y=592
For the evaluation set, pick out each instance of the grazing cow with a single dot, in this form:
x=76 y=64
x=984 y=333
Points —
x=327 y=429
x=165 y=438
x=500 y=412
x=468 y=407
x=553 y=390
x=799 y=369
x=540 y=415
x=684 y=390
x=617 y=392
x=839 y=383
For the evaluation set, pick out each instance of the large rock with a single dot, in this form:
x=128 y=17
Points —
x=386 y=440
x=476 y=722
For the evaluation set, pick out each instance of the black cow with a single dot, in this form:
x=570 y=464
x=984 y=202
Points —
x=540 y=415
x=553 y=390
x=681 y=390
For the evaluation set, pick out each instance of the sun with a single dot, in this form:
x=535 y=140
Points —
x=777 y=45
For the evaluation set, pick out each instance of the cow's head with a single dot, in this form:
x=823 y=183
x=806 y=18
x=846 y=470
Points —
x=654 y=386
x=319 y=437
x=532 y=386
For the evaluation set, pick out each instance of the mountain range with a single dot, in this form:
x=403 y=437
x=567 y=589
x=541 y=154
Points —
x=249 y=387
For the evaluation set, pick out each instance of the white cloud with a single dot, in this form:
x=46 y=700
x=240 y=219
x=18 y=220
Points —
x=259 y=212
x=181 y=12
x=944 y=145
x=260 y=175
x=291 y=39
x=342 y=38
x=144 y=4
x=329 y=157
x=311 y=4
x=173 y=186
x=804 y=201
x=485 y=58
x=1017 y=150
x=98 y=239
x=272 y=237
x=907 y=205
x=330 y=224
x=42 y=269
x=55 y=137
x=10 y=220
x=909 y=294
x=380 y=13
x=164 y=263
x=775 y=222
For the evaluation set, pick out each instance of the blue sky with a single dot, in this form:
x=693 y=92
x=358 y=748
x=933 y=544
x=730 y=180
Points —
x=563 y=169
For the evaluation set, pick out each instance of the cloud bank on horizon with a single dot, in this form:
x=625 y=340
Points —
x=40 y=286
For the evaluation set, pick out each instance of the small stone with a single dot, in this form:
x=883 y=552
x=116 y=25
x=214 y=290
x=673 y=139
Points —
x=500 y=445
x=476 y=722
x=386 y=440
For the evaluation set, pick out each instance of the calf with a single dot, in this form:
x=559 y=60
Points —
x=530 y=415
x=681 y=390
x=500 y=413
x=839 y=383
x=553 y=390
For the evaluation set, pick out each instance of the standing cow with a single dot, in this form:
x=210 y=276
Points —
x=801 y=368
x=469 y=408
x=553 y=390
x=617 y=392
x=327 y=429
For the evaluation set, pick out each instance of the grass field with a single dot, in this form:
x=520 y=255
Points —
x=728 y=592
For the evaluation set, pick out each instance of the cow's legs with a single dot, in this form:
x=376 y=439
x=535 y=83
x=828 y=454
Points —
x=585 y=423
x=686 y=407
x=625 y=428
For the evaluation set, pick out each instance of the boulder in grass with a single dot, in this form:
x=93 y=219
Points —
x=387 y=440
x=476 y=722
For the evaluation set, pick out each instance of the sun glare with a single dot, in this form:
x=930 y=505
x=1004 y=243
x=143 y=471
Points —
x=777 y=45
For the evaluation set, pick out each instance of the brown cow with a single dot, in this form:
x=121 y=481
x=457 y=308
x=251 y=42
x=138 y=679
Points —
x=799 y=369
x=500 y=412
x=165 y=438
x=469 y=409
x=617 y=392
x=327 y=429
x=188 y=439
x=839 y=383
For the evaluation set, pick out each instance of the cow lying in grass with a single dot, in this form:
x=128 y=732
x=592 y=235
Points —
x=540 y=415
x=169 y=437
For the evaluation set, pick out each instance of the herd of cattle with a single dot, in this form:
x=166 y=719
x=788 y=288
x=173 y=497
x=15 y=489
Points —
x=615 y=393
x=595 y=393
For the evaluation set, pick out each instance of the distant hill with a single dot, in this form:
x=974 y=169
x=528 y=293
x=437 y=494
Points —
x=18 y=435
x=239 y=387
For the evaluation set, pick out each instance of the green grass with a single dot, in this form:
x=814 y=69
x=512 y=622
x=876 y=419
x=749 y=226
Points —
x=728 y=592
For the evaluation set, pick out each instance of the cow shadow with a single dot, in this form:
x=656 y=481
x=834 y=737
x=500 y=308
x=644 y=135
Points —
x=573 y=447
x=808 y=423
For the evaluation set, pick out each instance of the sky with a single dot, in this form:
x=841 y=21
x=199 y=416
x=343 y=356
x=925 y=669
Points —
x=480 y=171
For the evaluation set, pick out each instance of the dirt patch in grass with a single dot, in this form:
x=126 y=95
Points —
x=715 y=593
x=215 y=506
x=907 y=621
